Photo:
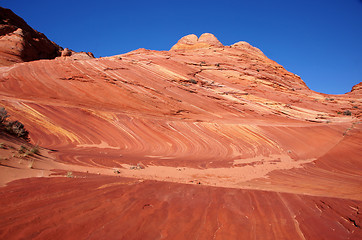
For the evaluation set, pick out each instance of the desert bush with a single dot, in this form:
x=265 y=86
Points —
x=347 y=113
x=34 y=150
x=17 y=128
x=3 y=115
x=13 y=127
x=193 y=81
x=22 y=149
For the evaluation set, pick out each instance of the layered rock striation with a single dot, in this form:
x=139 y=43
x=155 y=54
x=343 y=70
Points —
x=218 y=140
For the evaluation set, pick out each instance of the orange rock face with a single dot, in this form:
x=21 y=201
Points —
x=357 y=89
x=205 y=141
x=191 y=41
x=71 y=55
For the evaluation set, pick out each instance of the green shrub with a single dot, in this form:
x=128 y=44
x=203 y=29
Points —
x=3 y=115
x=17 y=128
x=193 y=81
x=347 y=113
x=12 y=127
x=22 y=149
x=35 y=150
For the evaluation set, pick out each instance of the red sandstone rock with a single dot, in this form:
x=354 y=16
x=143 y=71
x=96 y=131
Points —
x=246 y=46
x=19 y=42
x=71 y=55
x=96 y=207
x=191 y=41
x=210 y=39
x=66 y=52
x=357 y=89
x=211 y=143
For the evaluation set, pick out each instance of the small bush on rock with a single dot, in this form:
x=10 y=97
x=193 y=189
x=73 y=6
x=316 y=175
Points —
x=3 y=115
x=35 y=150
x=13 y=127
x=347 y=113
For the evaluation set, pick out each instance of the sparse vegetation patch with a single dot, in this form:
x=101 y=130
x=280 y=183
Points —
x=34 y=150
x=15 y=128
x=347 y=113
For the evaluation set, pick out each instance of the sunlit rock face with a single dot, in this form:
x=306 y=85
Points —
x=357 y=90
x=203 y=141
x=191 y=41
x=72 y=55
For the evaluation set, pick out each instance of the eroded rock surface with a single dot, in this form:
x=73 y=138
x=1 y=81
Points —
x=211 y=142
x=191 y=41
x=20 y=43
x=72 y=55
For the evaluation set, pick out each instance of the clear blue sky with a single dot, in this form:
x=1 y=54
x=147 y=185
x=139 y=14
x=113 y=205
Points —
x=319 y=40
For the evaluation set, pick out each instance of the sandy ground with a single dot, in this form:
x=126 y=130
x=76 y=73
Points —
x=14 y=166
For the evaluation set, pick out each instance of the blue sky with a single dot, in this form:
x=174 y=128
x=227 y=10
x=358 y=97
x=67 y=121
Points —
x=319 y=40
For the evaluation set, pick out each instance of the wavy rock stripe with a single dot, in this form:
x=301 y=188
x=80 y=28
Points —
x=205 y=150
x=173 y=139
x=155 y=89
x=132 y=209
x=225 y=117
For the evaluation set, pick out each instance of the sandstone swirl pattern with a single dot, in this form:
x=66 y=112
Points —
x=275 y=159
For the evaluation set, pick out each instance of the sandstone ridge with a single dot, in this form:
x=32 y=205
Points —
x=357 y=89
x=72 y=55
x=20 y=43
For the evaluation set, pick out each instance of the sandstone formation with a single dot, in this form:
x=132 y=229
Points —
x=72 y=55
x=357 y=89
x=20 y=43
x=205 y=141
x=191 y=41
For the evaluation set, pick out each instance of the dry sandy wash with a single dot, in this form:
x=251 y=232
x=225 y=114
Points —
x=204 y=141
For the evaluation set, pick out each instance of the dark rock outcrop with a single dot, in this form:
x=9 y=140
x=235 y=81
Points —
x=20 y=43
